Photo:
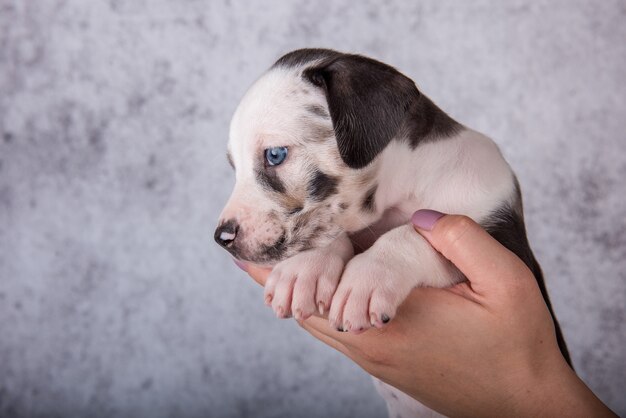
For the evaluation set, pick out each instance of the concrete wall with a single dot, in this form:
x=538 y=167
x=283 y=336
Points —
x=114 y=300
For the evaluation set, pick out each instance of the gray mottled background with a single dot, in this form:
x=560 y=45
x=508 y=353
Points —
x=114 y=300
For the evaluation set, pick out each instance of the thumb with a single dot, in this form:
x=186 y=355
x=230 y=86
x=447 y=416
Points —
x=486 y=263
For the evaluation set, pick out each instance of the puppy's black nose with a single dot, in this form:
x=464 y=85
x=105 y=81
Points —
x=226 y=233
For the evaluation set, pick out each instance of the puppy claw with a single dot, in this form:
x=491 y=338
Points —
x=385 y=318
x=300 y=315
x=268 y=300
x=305 y=284
x=358 y=331
x=321 y=308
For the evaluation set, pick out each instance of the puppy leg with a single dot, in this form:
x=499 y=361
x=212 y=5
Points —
x=377 y=281
x=305 y=283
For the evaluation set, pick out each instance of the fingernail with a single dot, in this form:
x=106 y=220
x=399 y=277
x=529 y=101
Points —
x=240 y=265
x=426 y=219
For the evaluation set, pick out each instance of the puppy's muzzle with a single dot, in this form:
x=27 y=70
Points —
x=226 y=234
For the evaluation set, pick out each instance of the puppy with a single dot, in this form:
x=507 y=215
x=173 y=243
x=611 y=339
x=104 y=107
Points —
x=332 y=154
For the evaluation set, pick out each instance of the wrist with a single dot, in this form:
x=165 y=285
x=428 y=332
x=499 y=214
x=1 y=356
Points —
x=556 y=390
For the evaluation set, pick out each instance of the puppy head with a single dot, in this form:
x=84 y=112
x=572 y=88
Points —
x=303 y=143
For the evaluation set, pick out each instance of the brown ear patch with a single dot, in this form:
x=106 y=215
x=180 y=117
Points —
x=367 y=101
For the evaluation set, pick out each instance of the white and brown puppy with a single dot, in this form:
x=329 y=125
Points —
x=333 y=153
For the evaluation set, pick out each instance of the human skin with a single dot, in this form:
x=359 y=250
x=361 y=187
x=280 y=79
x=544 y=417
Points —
x=485 y=347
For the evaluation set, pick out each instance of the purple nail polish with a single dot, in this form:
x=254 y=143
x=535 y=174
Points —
x=240 y=265
x=425 y=219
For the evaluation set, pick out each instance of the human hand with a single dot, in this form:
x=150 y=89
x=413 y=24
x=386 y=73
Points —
x=485 y=347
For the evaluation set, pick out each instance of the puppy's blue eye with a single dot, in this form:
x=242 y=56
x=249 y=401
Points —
x=276 y=155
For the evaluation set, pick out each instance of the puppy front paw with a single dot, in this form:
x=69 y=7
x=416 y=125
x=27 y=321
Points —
x=369 y=294
x=304 y=283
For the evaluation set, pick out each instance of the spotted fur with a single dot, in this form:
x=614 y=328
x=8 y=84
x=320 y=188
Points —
x=366 y=150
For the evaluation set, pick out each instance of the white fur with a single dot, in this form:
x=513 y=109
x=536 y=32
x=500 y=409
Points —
x=465 y=174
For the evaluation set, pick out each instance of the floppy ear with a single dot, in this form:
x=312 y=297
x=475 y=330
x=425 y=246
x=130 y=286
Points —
x=368 y=102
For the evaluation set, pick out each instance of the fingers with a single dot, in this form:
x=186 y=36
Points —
x=342 y=341
x=259 y=274
x=485 y=262
x=318 y=328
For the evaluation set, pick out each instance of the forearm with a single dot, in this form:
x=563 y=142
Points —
x=557 y=392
